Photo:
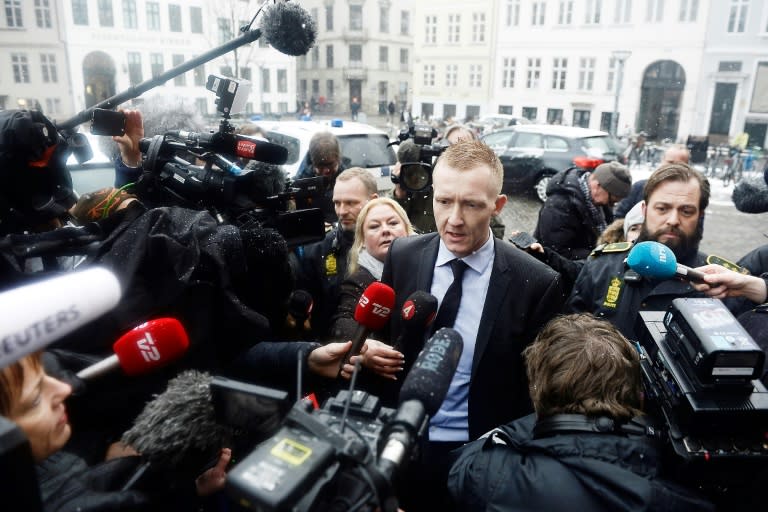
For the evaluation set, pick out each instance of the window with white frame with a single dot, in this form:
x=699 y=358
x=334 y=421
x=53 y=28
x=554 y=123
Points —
x=478 y=27
x=48 y=68
x=43 y=13
x=156 y=64
x=454 y=27
x=13 y=17
x=20 y=68
x=384 y=19
x=475 y=75
x=594 y=8
x=537 y=13
x=737 y=16
x=106 y=17
x=586 y=73
x=196 y=20
x=689 y=10
x=559 y=67
x=565 y=12
x=405 y=23
x=512 y=13
x=508 y=72
x=153 y=16
x=622 y=12
x=356 y=17
x=429 y=75
x=181 y=80
x=130 y=20
x=451 y=75
x=79 y=12
x=534 y=73
x=53 y=106
x=134 y=68
x=430 y=29
x=654 y=11
x=613 y=65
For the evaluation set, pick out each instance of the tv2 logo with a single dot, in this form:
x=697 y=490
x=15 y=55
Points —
x=148 y=348
x=378 y=309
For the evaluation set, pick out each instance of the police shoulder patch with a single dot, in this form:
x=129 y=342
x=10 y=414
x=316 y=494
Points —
x=717 y=260
x=611 y=248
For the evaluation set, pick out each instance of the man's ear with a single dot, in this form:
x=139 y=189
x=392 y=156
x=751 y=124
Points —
x=501 y=200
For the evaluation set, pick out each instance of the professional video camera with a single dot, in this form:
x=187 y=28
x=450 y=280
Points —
x=216 y=183
x=345 y=455
x=416 y=174
x=701 y=374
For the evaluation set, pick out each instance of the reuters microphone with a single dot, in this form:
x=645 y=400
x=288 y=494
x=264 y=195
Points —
x=371 y=314
x=37 y=314
x=144 y=348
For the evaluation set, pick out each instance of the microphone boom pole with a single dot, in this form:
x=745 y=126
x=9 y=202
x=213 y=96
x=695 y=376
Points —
x=137 y=90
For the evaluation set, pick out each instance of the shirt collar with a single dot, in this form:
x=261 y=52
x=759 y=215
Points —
x=477 y=261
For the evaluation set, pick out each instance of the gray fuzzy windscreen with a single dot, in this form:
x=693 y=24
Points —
x=177 y=431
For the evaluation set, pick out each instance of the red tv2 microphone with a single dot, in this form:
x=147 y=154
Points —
x=371 y=314
x=142 y=349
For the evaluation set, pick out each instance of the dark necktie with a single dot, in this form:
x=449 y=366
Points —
x=446 y=315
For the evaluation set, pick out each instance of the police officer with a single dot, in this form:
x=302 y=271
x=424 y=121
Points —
x=676 y=196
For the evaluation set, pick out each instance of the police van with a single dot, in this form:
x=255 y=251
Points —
x=362 y=145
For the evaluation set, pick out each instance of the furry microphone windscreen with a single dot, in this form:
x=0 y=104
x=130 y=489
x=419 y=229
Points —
x=289 y=28
x=750 y=195
x=177 y=431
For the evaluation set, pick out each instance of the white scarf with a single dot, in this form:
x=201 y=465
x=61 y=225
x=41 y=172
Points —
x=374 y=266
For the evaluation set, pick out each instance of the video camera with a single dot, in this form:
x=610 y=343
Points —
x=701 y=374
x=217 y=183
x=416 y=172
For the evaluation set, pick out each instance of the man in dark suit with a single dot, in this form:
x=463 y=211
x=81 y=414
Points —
x=507 y=295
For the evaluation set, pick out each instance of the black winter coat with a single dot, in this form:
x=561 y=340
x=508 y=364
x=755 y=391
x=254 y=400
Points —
x=574 y=471
x=565 y=224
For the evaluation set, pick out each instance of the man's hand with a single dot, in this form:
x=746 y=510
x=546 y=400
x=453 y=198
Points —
x=213 y=479
x=399 y=192
x=378 y=357
x=722 y=283
x=129 y=142
x=324 y=361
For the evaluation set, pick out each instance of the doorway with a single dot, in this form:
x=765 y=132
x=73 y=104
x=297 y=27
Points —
x=98 y=78
x=722 y=109
x=660 y=96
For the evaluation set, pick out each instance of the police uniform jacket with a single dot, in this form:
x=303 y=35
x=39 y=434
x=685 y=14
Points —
x=607 y=288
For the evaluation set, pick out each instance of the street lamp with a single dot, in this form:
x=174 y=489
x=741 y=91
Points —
x=620 y=56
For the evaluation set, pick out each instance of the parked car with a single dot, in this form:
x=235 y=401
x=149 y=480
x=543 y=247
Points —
x=533 y=153
x=362 y=145
x=490 y=123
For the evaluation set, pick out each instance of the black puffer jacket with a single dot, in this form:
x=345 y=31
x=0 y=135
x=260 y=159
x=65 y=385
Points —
x=565 y=224
x=576 y=471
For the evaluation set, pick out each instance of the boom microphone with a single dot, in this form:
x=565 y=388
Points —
x=418 y=313
x=422 y=394
x=657 y=261
x=371 y=314
x=242 y=146
x=142 y=349
x=751 y=196
x=37 y=314
x=178 y=431
x=289 y=28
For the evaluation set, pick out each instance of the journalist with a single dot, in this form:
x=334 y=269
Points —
x=588 y=445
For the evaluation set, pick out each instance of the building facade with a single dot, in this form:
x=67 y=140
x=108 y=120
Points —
x=34 y=65
x=364 y=50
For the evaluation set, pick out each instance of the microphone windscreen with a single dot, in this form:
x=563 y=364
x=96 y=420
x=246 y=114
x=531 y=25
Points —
x=261 y=150
x=151 y=345
x=418 y=310
x=177 y=431
x=751 y=196
x=288 y=28
x=652 y=259
x=375 y=306
x=433 y=370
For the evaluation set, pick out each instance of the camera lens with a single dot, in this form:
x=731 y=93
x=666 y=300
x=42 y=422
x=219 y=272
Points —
x=415 y=177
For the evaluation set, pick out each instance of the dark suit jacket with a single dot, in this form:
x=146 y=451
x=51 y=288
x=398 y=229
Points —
x=523 y=295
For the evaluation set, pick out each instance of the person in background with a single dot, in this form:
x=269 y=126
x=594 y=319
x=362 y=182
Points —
x=580 y=449
x=323 y=265
x=675 y=153
x=354 y=107
x=34 y=401
x=323 y=159
x=380 y=222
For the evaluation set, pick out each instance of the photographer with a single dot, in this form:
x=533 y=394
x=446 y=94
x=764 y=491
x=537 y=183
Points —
x=587 y=447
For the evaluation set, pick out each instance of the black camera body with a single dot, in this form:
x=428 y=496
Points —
x=416 y=173
x=315 y=457
x=715 y=425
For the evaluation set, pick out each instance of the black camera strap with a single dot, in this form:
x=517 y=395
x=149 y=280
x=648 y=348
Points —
x=578 y=423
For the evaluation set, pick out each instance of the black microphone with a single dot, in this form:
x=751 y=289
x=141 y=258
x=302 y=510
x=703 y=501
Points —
x=300 y=305
x=242 y=146
x=750 y=196
x=421 y=396
x=289 y=28
x=418 y=313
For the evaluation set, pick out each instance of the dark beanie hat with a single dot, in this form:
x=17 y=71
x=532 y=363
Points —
x=614 y=178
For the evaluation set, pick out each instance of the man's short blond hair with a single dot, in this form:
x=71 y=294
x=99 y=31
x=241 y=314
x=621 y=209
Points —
x=470 y=154
x=358 y=172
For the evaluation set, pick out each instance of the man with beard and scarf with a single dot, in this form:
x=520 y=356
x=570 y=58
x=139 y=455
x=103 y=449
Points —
x=675 y=196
